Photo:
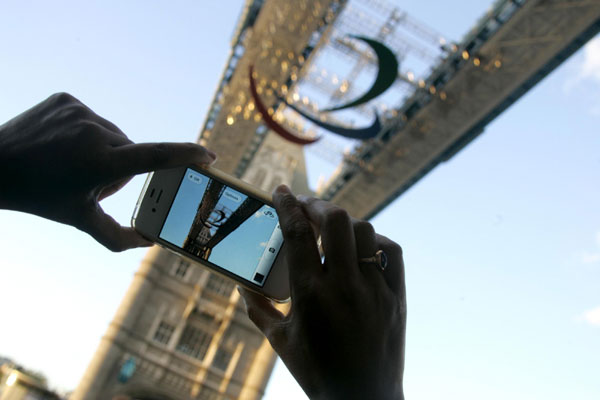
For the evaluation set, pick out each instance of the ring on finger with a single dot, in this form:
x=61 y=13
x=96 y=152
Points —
x=380 y=259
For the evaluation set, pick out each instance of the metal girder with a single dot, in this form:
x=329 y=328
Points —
x=210 y=198
x=514 y=58
x=238 y=217
x=279 y=29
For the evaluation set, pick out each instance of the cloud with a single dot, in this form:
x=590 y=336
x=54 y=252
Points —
x=587 y=74
x=590 y=69
x=262 y=244
x=591 y=257
x=592 y=316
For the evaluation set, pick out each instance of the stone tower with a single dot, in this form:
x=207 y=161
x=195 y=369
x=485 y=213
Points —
x=181 y=331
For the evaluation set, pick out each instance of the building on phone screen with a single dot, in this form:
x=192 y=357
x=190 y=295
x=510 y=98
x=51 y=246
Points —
x=181 y=331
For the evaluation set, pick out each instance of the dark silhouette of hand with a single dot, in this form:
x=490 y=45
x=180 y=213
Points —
x=59 y=159
x=343 y=337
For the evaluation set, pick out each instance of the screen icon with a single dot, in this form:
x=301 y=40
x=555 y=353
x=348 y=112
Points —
x=269 y=213
x=232 y=195
x=194 y=178
x=258 y=277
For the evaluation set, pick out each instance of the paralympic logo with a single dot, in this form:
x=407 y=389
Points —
x=386 y=76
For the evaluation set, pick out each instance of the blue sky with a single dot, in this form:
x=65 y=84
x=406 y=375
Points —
x=502 y=243
x=183 y=211
x=241 y=251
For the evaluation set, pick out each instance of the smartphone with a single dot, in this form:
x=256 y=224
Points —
x=218 y=221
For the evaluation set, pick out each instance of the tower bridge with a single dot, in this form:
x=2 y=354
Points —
x=509 y=50
x=181 y=331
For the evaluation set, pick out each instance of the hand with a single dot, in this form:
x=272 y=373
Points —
x=59 y=159
x=343 y=337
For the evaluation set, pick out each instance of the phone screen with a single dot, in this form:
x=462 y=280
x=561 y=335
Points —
x=223 y=226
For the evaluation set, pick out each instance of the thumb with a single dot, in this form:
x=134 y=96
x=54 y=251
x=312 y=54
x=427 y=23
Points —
x=263 y=314
x=111 y=234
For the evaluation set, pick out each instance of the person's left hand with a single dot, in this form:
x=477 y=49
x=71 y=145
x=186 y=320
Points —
x=59 y=159
x=343 y=337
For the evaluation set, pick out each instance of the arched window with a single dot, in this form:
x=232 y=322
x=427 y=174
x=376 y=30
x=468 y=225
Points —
x=181 y=268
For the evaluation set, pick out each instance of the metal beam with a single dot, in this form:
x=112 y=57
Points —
x=210 y=198
x=237 y=218
x=429 y=131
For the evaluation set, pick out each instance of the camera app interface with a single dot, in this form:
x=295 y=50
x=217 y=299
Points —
x=223 y=226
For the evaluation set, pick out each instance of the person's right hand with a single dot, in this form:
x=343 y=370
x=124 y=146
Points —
x=59 y=159
x=344 y=335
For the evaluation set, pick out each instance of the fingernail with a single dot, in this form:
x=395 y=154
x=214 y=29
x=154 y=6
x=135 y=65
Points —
x=211 y=154
x=282 y=189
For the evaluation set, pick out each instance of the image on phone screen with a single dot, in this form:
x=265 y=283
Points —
x=223 y=226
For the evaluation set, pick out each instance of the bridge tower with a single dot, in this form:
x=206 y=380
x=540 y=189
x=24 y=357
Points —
x=181 y=331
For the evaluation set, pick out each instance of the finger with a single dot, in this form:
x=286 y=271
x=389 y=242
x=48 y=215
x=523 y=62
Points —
x=394 y=272
x=111 y=234
x=337 y=235
x=117 y=140
x=68 y=107
x=364 y=234
x=107 y=135
x=90 y=114
x=366 y=246
x=262 y=313
x=113 y=188
x=302 y=254
x=107 y=124
x=138 y=158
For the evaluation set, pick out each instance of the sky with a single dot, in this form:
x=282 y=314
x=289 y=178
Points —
x=501 y=243
x=241 y=250
x=183 y=210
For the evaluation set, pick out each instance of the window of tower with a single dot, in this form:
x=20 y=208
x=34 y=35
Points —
x=219 y=285
x=222 y=358
x=163 y=332
x=194 y=342
x=230 y=344
x=181 y=268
